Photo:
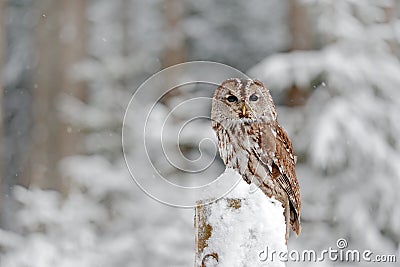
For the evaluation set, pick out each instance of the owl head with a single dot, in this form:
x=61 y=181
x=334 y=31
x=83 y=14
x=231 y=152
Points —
x=244 y=100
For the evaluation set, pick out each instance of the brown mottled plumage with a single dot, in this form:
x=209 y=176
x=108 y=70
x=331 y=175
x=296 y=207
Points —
x=251 y=141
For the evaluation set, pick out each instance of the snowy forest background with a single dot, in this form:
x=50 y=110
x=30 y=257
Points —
x=69 y=67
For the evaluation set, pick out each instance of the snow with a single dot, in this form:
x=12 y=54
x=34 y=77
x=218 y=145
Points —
x=240 y=235
x=346 y=135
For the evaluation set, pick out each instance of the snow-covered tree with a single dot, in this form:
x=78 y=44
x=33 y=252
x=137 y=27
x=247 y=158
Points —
x=346 y=133
x=105 y=219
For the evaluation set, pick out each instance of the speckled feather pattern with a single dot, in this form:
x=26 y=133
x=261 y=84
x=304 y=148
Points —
x=256 y=145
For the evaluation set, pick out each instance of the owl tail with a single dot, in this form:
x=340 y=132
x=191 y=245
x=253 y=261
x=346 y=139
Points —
x=295 y=221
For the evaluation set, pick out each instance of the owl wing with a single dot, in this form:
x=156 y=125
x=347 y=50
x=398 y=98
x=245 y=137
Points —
x=275 y=151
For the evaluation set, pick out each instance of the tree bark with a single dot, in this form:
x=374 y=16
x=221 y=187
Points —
x=302 y=39
x=300 y=26
x=60 y=44
x=174 y=51
x=391 y=14
x=45 y=143
x=73 y=49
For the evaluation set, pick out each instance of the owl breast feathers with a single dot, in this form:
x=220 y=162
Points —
x=251 y=141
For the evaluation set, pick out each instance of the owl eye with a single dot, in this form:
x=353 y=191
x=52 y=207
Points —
x=253 y=97
x=231 y=98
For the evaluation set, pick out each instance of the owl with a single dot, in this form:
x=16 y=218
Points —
x=251 y=141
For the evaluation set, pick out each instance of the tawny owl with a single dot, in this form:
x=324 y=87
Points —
x=251 y=141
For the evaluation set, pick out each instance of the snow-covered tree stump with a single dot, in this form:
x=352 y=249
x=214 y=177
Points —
x=244 y=228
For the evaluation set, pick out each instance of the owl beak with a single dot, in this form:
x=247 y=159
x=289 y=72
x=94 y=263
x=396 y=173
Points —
x=244 y=110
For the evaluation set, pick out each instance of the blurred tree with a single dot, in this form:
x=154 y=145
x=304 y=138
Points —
x=44 y=139
x=392 y=12
x=127 y=47
x=174 y=38
x=73 y=38
x=17 y=84
x=301 y=39
x=105 y=217
x=2 y=171
x=300 y=28
x=346 y=132
x=60 y=44
x=234 y=32
x=106 y=221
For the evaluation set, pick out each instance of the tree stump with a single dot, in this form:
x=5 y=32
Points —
x=235 y=232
